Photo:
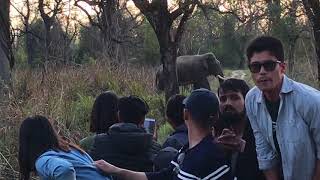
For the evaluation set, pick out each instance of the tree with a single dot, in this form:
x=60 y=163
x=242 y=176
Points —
x=115 y=23
x=312 y=8
x=48 y=16
x=6 y=57
x=163 y=23
x=25 y=13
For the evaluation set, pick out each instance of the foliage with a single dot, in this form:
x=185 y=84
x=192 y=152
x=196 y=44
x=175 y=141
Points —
x=89 y=44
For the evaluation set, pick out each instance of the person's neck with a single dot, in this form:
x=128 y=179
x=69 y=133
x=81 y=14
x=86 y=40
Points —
x=273 y=95
x=196 y=135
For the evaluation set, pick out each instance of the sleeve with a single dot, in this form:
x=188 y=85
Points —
x=160 y=175
x=266 y=156
x=55 y=168
x=172 y=142
x=311 y=114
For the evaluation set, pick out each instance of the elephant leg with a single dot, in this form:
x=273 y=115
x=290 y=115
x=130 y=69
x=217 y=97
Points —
x=203 y=83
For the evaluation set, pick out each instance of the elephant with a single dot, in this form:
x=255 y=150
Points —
x=193 y=69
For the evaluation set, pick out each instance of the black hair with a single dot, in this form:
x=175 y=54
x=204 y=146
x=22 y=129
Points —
x=174 y=109
x=132 y=109
x=36 y=136
x=266 y=43
x=233 y=84
x=104 y=112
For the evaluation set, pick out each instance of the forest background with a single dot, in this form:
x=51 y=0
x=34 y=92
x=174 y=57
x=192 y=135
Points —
x=56 y=56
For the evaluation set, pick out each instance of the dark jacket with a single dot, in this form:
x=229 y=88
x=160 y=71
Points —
x=126 y=146
x=178 y=138
x=246 y=167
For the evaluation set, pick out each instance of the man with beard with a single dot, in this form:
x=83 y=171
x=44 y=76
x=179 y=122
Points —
x=234 y=132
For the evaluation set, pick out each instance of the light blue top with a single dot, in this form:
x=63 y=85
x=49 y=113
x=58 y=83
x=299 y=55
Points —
x=297 y=130
x=60 y=165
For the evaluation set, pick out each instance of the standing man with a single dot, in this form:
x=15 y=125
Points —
x=284 y=115
x=234 y=132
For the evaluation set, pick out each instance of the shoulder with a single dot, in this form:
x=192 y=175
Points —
x=50 y=164
x=304 y=96
x=252 y=97
x=253 y=93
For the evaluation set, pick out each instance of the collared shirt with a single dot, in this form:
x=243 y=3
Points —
x=205 y=161
x=71 y=165
x=298 y=129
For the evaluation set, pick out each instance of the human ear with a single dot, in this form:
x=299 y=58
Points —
x=186 y=114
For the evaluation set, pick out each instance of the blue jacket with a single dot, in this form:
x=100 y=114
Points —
x=60 y=165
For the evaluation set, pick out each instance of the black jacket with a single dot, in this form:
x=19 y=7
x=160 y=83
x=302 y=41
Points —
x=178 y=138
x=246 y=167
x=126 y=146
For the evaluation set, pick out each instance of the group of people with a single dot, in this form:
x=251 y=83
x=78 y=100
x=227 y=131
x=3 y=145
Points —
x=271 y=132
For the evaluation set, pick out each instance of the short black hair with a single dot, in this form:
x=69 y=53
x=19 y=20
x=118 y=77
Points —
x=266 y=43
x=132 y=109
x=233 y=84
x=174 y=109
x=203 y=106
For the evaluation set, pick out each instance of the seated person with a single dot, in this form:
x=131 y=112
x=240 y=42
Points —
x=174 y=112
x=234 y=127
x=127 y=144
x=177 y=139
x=202 y=158
x=51 y=157
x=103 y=115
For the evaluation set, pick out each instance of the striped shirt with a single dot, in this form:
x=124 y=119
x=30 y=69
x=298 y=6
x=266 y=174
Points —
x=205 y=161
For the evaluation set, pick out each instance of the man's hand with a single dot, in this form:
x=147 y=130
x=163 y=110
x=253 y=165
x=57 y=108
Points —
x=121 y=173
x=230 y=141
x=106 y=167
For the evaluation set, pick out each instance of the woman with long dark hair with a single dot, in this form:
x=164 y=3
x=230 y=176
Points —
x=42 y=151
x=103 y=115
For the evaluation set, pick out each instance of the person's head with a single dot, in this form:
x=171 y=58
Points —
x=132 y=109
x=266 y=62
x=36 y=136
x=201 y=108
x=232 y=93
x=174 y=110
x=104 y=112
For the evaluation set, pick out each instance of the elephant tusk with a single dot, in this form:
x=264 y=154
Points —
x=220 y=77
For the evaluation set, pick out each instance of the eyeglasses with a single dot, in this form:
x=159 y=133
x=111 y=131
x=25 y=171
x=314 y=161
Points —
x=268 y=65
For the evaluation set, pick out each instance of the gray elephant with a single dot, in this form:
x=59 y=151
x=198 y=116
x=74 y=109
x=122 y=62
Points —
x=193 y=69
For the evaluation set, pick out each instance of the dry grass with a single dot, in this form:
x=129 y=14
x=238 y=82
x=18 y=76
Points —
x=66 y=95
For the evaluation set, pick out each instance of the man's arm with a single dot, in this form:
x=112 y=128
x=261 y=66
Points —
x=266 y=156
x=119 y=172
x=311 y=109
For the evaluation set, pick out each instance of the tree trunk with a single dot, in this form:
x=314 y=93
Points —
x=291 y=52
x=109 y=27
x=316 y=33
x=168 y=58
x=5 y=41
x=5 y=47
x=312 y=8
x=29 y=49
